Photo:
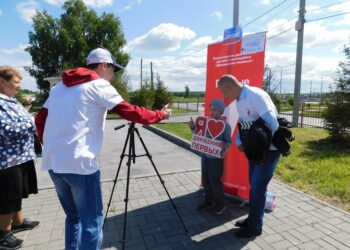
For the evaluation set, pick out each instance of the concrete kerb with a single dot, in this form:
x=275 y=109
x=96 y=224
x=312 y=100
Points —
x=187 y=145
x=173 y=138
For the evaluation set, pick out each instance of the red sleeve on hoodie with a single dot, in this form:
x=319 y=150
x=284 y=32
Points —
x=40 y=120
x=137 y=114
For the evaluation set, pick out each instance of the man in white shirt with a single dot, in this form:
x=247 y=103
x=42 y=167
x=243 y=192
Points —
x=71 y=126
x=253 y=103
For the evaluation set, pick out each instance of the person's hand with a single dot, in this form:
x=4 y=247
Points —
x=191 y=124
x=240 y=147
x=166 y=111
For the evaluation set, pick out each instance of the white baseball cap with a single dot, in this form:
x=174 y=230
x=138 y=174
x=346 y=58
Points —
x=101 y=55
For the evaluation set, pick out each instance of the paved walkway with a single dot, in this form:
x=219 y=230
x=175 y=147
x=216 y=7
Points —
x=299 y=221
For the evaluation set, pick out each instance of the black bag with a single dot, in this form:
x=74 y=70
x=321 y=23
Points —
x=37 y=145
x=282 y=136
x=256 y=138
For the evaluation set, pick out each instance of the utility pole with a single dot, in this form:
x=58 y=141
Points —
x=141 y=75
x=281 y=83
x=299 y=26
x=321 y=86
x=235 y=12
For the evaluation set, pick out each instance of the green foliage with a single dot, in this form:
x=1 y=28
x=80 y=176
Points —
x=59 y=44
x=276 y=100
x=161 y=95
x=187 y=92
x=120 y=82
x=145 y=96
x=337 y=114
x=290 y=100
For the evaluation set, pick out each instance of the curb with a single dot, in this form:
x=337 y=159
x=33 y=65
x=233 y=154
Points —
x=173 y=138
x=187 y=145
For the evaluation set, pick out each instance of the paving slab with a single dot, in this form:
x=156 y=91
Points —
x=299 y=221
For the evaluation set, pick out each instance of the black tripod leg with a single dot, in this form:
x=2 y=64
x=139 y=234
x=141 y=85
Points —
x=115 y=179
x=131 y=152
x=160 y=178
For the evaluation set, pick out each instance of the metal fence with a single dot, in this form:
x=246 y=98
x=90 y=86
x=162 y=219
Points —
x=310 y=115
x=190 y=106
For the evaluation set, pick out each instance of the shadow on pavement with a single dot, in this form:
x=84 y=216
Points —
x=157 y=225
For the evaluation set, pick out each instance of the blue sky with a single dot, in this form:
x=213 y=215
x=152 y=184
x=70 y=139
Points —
x=174 y=35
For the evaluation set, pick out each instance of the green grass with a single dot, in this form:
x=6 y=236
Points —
x=173 y=111
x=316 y=166
x=180 y=129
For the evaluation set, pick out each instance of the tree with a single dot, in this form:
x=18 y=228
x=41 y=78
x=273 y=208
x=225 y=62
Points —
x=145 y=96
x=161 y=96
x=187 y=92
x=337 y=114
x=59 y=44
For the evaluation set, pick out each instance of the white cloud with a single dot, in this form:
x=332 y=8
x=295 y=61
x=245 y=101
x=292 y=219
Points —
x=14 y=51
x=203 y=42
x=98 y=3
x=93 y=3
x=186 y=68
x=217 y=15
x=55 y=2
x=275 y=35
x=343 y=7
x=265 y=2
x=18 y=58
x=313 y=69
x=312 y=8
x=131 y=5
x=27 y=10
x=126 y=8
x=165 y=37
x=1 y=13
x=316 y=35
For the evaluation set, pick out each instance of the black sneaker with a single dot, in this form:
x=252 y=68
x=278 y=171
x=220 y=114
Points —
x=247 y=232
x=204 y=205
x=217 y=209
x=9 y=241
x=242 y=223
x=26 y=225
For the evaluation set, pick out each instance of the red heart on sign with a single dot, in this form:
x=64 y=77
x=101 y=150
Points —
x=215 y=127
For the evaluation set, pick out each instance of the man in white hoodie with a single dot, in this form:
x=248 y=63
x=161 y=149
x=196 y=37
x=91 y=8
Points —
x=71 y=126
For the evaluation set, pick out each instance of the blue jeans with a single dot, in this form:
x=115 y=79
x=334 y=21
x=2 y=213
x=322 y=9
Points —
x=259 y=178
x=81 y=199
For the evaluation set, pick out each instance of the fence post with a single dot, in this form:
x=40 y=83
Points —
x=187 y=105
x=178 y=104
x=302 y=116
x=197 y=103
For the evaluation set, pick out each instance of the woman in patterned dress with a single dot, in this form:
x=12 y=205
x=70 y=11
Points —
x=17 y=170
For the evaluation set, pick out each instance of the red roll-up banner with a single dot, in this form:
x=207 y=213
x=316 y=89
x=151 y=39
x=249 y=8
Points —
x=245 y=60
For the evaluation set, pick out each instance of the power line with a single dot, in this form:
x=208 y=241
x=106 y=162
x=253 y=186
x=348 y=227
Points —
x=269 y=38
x=327 y=6
x=316 y=19
x=257 y=18
x=283 y=10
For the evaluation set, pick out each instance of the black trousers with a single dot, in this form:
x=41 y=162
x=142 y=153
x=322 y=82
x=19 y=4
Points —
x=212 y=170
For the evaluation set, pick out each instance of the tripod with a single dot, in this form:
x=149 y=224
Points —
x=131 y=156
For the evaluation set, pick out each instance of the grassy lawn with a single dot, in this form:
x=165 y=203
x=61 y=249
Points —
x=173 y=111
x=316 y=166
